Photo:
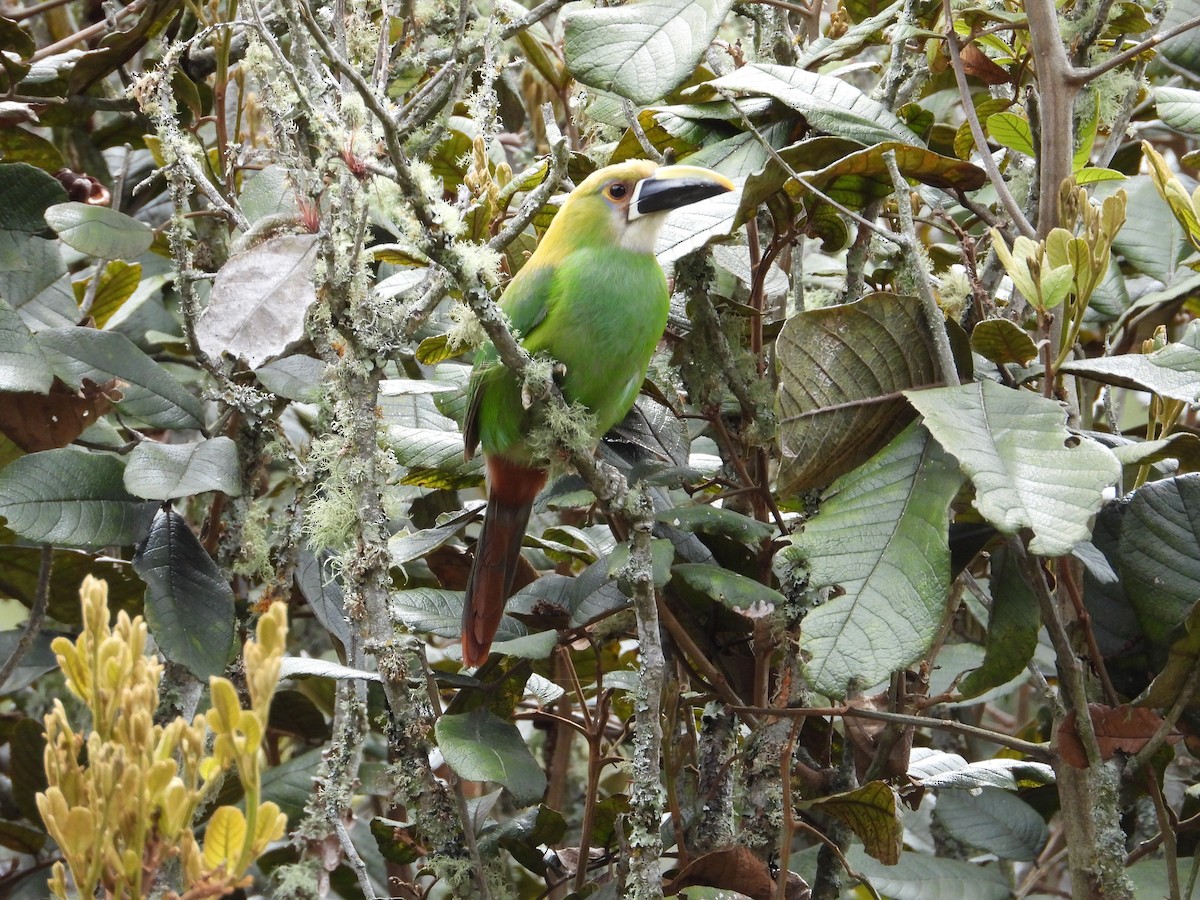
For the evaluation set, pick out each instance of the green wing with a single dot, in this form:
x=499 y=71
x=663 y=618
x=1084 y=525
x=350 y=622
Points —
x=495 y=415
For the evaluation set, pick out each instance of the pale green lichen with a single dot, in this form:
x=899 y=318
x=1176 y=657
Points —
x=479 y=263
x=465 y=332
x=954 y=293
x=254 y=550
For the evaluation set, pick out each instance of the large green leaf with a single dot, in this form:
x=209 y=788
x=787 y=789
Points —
x=480 y=746
x=170 y=471
x=27 y=192
x=840 y=372
x=644 y=50
x=880 y=537
x=71 y=497
x=830 y=104
x=99 y=231
x=189 y=604
x=1172 y=371
x=993 y=820
x=938 y=769
x=22 y=365
x=1151 y=240
x=1029 y=471
x=1159 y=555
x=433 y=456
x=151 y=394
x=920 y=876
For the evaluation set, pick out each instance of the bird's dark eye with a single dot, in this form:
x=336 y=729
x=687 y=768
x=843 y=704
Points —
x=618 y=190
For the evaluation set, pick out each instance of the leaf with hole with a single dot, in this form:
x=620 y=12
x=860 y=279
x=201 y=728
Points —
x=1029 y=471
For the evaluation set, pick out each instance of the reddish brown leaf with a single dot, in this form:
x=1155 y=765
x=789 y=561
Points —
x=977 y=63
x=45 y=421
x=1121 y=729
x=736 y=869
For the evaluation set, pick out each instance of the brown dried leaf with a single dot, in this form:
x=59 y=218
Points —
x=46 y=421
x=979 y=64
x=736 y=868
x=1121 y=729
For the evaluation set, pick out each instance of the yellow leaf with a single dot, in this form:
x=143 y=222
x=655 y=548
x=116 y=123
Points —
x=224 y=839
x=270 y=827
x=226 y=710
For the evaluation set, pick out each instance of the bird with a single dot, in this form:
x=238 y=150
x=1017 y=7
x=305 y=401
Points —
x=593 y=298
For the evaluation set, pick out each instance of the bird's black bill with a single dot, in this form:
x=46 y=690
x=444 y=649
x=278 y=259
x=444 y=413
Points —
x=674 y=186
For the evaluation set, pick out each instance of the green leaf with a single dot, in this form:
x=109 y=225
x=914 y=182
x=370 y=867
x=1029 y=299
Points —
x=642 y=51
x=1178 y=108
x=171 y=471
x=290 y=784
x=1152 y=241
x=71 y=497
x=1159 y=556
x=23 y=367
x=1011 y=131
x=424 y=449
x=708 y=519
x=27 y=192
x=1172 y=371
x=259 y=300
x=1003 y=341
x=480 y=746
x=993 y=820
x=189 y=604
x=1182 y=658
x=862 y=177
x=937 y=769
x=870 y=812
x=524 y=835
x=834 y=366
x=920 y=876
x=440 y=612
x=1029 y=471
x=1013 y=626
x=830 y=104
x=293 y=378
x=99 y=231
x=151 y=393
x=747 y=596
x=881 y=538
x=404 y=548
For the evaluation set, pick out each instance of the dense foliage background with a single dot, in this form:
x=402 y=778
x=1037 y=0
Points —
x=886 y=587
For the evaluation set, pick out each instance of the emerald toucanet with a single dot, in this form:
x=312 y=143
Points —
x=593 y=298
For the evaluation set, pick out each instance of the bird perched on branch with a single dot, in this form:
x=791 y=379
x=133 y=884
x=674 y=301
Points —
x=593 y=298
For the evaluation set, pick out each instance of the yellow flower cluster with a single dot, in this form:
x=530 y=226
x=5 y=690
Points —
x=126 y=807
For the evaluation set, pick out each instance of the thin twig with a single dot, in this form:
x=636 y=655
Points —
x=934 y=320
x=37 y=617
x=1035 y=750
x=1083 y=76
x=981 y=145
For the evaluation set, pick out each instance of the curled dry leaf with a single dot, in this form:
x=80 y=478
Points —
x=1120 y=729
